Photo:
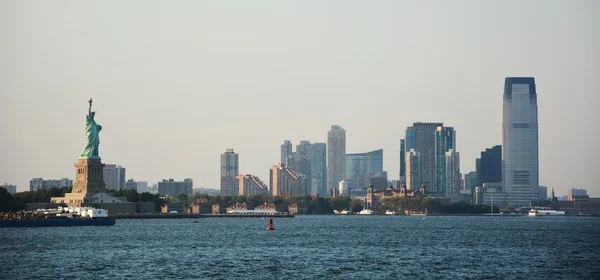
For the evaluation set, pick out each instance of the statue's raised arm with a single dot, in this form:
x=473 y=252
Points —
x=90 y=109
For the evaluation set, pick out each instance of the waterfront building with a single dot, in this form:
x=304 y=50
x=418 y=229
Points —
x=114 y=176
x=421 y=138
x=491 y=194
x=445 y=140
x=336 y=157
x=343 y=188
x=251 y=185
x=230 y=169
x=286 y=150
x=413 y=169
x=131 y=185
x=542 y=193
x=285 y=181
x=489 y=166
x=316 y=153
x=302 y=165
x=378 y=180
x=520 y=150
x=171 y=187
x=374 y=196
x=360 y=165
x=453 y=178
x=12 y=189
x=41 y=184
x=576 y=192
x=470 y=180
x=402 y=162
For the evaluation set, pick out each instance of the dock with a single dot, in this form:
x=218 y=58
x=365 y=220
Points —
x=197 y=216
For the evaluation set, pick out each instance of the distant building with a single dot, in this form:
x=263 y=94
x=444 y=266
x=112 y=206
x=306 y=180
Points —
x=131 y=185
x=402 y=162
x=230 y=169
x=470 y=180
x=360 y=165
x=251 y=185
x=286 y=150
x=336 y=157
x=445 y=140
x=491 y=194
x=171 y=187
x=142 y=186
x=318 y=164
x=543 y=193
x=489 y=166
x=114 y=176
x=41 y=184
x=413 y=170
x=421 y=138
x=12 y=189
x=520 y=151
x=343 y=188
x=453 y=179
x=375 y=196
x=576 y=192
x=284 y=180
x=378 y=180
x=302 y=165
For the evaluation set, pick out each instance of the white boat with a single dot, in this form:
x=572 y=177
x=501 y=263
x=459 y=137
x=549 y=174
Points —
x=343 y=212
x=365 y=212
x=545 y=211
x=388 y=212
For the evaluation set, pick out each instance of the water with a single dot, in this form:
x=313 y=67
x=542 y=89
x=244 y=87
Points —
x=309 y=247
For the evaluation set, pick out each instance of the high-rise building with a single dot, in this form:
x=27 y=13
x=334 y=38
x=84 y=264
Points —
x=542 y=193
x=114 y=176
x=304 y=148
x=171 y=187
x=520 y=161
x=130 y=185
x=445 y=140
x=251 y=185
x=576 y=192
x=12 y=189
x=286 y=150
x=489 y=166
x=284 y=180
x=413 y=170
x=41 y=184
x=421 y=138
x=453 y=178
x=301 y=165
x=318 y=163
x=359 y=167
x=470 y=180
x=402 y=162
x=142 y=186
x=230 y=169
x=336 y=157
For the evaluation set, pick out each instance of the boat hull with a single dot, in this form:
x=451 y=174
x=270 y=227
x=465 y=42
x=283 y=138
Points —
x=57 y=223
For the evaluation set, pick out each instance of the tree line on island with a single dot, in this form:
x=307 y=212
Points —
x=310 y=204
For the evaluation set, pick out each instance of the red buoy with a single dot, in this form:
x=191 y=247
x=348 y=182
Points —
x=270 y=226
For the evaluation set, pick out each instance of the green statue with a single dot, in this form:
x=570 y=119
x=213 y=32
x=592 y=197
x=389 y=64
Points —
x=92 y=131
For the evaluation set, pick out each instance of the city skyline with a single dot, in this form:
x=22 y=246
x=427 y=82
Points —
x=376 y=70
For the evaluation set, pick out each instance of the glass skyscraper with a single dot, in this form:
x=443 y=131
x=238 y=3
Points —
x=520 y=159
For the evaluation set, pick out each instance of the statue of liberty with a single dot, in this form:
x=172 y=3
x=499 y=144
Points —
x=92 y=131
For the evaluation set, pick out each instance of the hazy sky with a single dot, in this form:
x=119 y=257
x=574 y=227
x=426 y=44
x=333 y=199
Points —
x=175 y=83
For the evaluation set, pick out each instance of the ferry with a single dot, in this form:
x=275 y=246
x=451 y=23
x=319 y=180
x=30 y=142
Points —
x=388 y=212
x=61 y=217
x=343 y=212
x=545 y=211
x=366 y=212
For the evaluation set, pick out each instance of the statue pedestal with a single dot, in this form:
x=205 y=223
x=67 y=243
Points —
x=89 y=177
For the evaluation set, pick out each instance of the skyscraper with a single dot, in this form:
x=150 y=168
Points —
x=336 y=157
x=251 y=185
x=286 y=150
x=301 y=164
x=360 y=165
x=114 y=176
x=489 y=166
x=520 y=161
x=445 y=140
x=453 y=178
x=470 y=180
x=318 y=164
x=413 y=170
x=421 y=138
x=284 y=180
x=230 y=169
x=402 y=161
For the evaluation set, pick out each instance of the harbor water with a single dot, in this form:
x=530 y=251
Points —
x=309 y=247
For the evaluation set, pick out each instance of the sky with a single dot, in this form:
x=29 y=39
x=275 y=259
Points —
x=175 y=83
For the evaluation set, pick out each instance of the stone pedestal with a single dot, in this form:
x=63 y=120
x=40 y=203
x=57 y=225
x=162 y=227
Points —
x=89 y=178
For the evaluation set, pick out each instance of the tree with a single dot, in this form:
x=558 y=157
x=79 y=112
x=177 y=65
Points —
x=7 y=201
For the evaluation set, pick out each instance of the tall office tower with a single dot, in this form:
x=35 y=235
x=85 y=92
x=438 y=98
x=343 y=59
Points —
x=304 y=148
x=453 y=178
x=286 y=150
x=489 y=166
x=336 y=157
x=318 y=163
x=114 y=176
x=402 y=162
x=359 y=167
x=284 y=180
x=520 y=161
x=251 y=185
x=445 y=140
x=413 y=170
x=421 y=138
x=470 y=180
x=542 y=193
x=230 y=168
x=301 y=165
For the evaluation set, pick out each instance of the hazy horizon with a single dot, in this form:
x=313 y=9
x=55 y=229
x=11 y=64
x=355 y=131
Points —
x=176 y=83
